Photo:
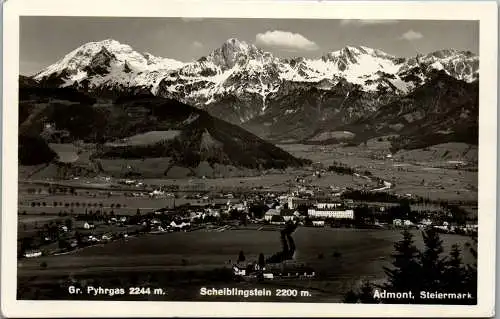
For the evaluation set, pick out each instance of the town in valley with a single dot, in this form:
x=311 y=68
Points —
x=269 y=161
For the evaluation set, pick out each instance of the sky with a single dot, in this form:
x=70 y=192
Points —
x=45 y=40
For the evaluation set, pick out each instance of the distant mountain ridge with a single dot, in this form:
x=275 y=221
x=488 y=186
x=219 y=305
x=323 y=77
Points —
x=276 y=98
x=238 y=67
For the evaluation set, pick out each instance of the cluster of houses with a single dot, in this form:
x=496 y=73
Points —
x=444 y=227
x=310 y=205
x=253 y=270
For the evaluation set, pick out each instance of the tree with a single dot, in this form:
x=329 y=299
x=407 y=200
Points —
x=366 y=294
x=471 y=273
x=406 y=272
x=262 y=261
x=79 y=239
x=258 y=210
x=433 y=265
x=243 y=219
x=459 y=215
x=69 y=223
x=351 y=297
x=63 y=243
x=454 y=276
x=362 y=212
x=26 y=244
x=241 y=257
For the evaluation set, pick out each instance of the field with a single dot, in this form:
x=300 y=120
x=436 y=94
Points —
x=147 y=138
x=441 y=172
x=361 y=255
x=429 y=173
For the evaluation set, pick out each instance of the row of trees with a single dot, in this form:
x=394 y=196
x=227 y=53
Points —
x=360 y=195
x=415 y=270
x=75 y=204
x=341 y=169
x=369 y=196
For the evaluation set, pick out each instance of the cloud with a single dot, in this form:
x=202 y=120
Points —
x=191 y=19
x=366 y=22
x=197 y=45
x=285 y=40
x=411 y=35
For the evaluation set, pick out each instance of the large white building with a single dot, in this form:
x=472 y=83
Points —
x=328 y=205
x=330 y=210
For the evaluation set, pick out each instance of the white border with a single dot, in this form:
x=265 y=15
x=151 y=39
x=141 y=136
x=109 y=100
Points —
x=486 y=12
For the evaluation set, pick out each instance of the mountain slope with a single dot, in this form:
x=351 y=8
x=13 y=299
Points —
x=299 y=110
x=143 y=127
x=442 y=110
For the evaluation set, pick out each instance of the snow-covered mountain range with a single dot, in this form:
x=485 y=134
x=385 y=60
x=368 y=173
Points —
x=238 y=67
x=243 y=84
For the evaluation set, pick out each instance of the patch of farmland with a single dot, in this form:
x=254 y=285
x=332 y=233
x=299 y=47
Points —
x=363 y=253
x=337 y=135
x=66 y=152
x=414 y=176
x=448 y=152
x=147 y=167
x=151 y=137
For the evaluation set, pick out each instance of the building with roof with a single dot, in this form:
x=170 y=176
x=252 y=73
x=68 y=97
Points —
x=270 y=213
x=334 y=210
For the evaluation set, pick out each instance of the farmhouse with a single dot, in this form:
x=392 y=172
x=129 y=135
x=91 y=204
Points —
x=399 y=222
x=288 y=215
x=270 y=213
x=88 y=225
x=268 y=276
x=180 y=226
x=32 y=254
x=426 y=222
x=239 y=271
x=318 y=223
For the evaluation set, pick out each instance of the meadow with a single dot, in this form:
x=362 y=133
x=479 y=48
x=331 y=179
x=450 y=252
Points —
x=341 y=257
x=429 y=173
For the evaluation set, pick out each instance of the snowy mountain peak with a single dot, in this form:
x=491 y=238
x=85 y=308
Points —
x=234 y=44
x=232 y=52
x=109 y=62
x=350 y=54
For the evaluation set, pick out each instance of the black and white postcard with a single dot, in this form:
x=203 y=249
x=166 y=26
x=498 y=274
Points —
x=271 y=158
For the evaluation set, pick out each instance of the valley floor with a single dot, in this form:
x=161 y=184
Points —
x=184 y=261
x=425 y=173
